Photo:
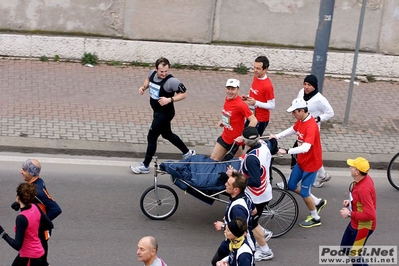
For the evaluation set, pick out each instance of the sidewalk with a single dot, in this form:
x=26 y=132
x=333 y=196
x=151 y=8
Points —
x=50 y=107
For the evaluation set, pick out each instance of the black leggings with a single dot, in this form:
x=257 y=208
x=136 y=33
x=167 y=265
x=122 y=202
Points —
x=161 y=126
x=18 y=261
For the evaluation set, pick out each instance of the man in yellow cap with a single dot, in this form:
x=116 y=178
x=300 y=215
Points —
x=360 y=208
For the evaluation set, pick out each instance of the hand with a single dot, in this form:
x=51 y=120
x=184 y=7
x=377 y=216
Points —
x=344 y=212
x=250 y=101
x=220 y=124
x=346 y=203
x=272 y=136
x=164 y=101
x=1 y=229
x=239 y=139
x=221 y=263
x=141 y=90
x=218 y=225
x=282 y=151
x=244 y=97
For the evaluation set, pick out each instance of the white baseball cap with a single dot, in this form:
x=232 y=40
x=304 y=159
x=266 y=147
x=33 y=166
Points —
x=297 y=103
x=233 y=83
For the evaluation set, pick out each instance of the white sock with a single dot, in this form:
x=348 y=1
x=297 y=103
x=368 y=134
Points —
x=265 y=248
x=315 y=199
x=315 y=215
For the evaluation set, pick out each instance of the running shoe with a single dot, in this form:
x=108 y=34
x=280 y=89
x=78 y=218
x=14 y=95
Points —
x=141 y=169
x=310 y=222
x=188 y=154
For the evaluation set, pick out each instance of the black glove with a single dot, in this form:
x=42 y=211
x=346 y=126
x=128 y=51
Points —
x=1 y=229
x=15 y=206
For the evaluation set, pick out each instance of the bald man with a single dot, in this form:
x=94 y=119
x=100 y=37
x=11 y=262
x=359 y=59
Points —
x=147 y=252
x=30 y=172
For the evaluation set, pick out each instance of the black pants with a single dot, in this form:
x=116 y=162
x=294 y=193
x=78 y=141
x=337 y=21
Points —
x=161 y=125
x=18 y=261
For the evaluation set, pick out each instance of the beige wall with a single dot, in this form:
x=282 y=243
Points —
x=287 y=23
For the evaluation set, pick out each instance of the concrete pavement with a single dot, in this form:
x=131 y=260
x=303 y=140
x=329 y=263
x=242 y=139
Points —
x=64 y=107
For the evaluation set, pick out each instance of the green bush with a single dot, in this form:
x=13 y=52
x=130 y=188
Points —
x=43 y=58
x=89 y=58
x=241 y=69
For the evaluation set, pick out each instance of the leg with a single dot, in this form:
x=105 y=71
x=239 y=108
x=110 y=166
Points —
x=166 y=132
x=322 y=177
x=152 y=137
x=295 y=177
x=18 y=261
x=261 y=126
x=353 y=240
x=220 y=149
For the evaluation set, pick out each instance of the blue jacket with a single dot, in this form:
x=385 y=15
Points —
x=52 y=209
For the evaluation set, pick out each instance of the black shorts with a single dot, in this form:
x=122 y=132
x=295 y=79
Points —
x=224 y=144
x=259 y=210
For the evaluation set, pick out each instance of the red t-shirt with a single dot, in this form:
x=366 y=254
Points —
x=262 y=90
x=308 y=132
x=234 y=113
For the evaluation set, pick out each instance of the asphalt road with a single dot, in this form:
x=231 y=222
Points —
x=102 y=222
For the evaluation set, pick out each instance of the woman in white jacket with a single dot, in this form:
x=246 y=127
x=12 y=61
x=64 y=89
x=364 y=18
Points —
x=321 y=110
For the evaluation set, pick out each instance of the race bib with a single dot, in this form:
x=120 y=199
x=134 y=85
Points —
x=154 y=90
x=226 y=120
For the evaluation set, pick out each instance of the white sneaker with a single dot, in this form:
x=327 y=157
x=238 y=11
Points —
x=141 y=169
x=320 y=181
x=189 y=154
x=280 y=185
x=268 y=234
x=260 y=255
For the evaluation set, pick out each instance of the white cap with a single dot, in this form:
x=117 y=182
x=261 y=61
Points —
x=233 y=83
x=297 y=103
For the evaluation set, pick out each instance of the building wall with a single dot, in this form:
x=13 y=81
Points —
x=286 y=29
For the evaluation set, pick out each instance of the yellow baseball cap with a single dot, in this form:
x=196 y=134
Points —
x=360 y=164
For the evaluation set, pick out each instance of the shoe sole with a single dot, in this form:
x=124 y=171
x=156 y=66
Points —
x=138 y=172
x=309 y=226
x=264 y=259
x=322 y=206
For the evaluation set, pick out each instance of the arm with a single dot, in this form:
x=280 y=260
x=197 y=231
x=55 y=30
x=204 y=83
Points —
x=21 y=223
x=288 y=132
x=368 y=213
x=245 y=258
x=45 y=222
x=252 y=163
x=145 y=86
x=326 y=109
x=252 y=121
x=271 y=104
x=52 y=208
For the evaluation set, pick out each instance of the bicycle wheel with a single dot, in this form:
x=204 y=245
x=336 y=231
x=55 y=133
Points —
x=393 y=171
x=276 y=176
x=281 y=217
x=159 y=207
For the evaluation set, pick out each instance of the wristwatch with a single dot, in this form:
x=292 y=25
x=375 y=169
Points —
x=223 y=227
x=349 y=215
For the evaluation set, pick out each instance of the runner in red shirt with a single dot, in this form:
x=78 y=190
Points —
x=309 y=159
x=235 y=112
x=261 y=94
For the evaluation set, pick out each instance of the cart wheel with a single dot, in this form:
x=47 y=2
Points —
x=393 y=171
x=161 y=206
x=276 y=176
x=279 y=217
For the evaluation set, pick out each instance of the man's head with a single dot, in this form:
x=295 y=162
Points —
x=147 y=250
x=310 y=84
x=236 y=183
x=30 y=170
x=359 y=166
x=251 y=136
x=162 y=67
x=232 y=88
x=298 y=108
x=261 y=66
